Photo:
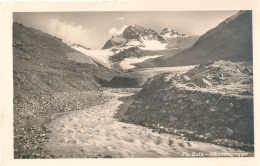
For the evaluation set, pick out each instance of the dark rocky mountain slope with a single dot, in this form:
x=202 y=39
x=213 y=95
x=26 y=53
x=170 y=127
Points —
x=230 y=40
x=174 y=46
x=44 y=63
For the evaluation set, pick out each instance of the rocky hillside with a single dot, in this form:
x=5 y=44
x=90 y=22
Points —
x=212 y=102
x=230 y=40
x=51 y=78
x=43 y=64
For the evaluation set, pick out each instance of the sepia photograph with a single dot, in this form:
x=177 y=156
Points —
x=148 y=82
x=133 y=84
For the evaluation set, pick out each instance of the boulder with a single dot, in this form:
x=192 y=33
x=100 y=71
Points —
x=202 y=82
x=208 y=135
x=247 y=71
x=190 y=85
x=221 y=75
x=228 y=132
x=186 y=78
x=246 y=93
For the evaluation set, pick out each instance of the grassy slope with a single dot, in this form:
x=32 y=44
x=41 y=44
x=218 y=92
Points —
x=231 y=40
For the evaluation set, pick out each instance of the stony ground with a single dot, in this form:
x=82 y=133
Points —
x=212 y=102
x=75 y=123
x=32 y=114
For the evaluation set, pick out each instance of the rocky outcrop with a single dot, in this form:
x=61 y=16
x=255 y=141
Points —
x=130 y=52
x=115 y=41
x=202 y=82
x=78 y=45
x=138 y=32
x=108 y=44
x=169 y=33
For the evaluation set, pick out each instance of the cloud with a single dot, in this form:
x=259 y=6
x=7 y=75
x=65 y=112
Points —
x=120 y=18
x=114 y=31
x=70 y=33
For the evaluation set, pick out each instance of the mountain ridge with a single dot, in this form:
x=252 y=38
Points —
x=134 y=35
x=230 y=40
x=35 y=52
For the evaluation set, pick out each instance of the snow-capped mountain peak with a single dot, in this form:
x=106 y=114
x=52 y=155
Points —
x=137 y=32
x=169 y=33
x=136 y=36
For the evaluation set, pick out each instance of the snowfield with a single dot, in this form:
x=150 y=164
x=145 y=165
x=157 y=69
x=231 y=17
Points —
x=146 y=44
x=167 y=35
x=153 y=45
x=100 y=56
x=127 y=63
x=133 y=43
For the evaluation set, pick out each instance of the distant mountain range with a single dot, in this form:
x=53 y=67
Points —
x=139 y=47
x=145 y=39
x=137 y=44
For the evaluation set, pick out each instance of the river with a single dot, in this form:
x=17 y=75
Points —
x=95 y=132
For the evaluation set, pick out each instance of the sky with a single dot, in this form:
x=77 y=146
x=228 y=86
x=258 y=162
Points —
x=93 y=29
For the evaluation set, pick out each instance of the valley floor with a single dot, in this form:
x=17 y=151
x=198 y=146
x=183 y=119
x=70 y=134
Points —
x=98 y=132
